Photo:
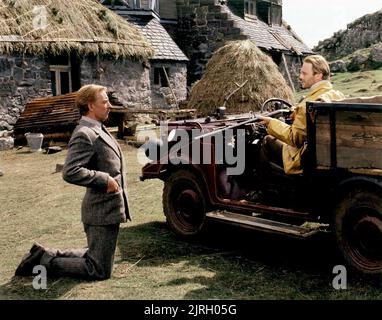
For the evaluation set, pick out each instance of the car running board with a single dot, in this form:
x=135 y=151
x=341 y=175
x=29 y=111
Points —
x=261 y=224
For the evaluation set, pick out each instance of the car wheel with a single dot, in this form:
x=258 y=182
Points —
x=184 y=203
x=358 y=230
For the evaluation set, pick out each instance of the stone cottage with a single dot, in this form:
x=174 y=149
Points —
x=199 y=27
x=52 y=48
x=168 y=73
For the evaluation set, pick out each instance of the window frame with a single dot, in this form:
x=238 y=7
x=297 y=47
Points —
x=58 y=69
x=161 y=77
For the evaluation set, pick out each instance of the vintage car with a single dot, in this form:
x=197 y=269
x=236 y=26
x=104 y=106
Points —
x=340 y=189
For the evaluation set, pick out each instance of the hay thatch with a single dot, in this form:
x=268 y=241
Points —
x=85 y=26
x=237 y=62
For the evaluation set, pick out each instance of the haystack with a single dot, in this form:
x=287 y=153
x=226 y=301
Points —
x=86 y=26
x=230 y=66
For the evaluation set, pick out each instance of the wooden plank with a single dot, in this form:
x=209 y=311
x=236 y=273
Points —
x=352 y=136
x=288 y=73
x=374 y=172
x=357 y=146
x=323 y=154
x=361 y=118
x=48 y=113
x=347 y=157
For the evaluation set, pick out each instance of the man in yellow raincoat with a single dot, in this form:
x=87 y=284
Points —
x=285 y=143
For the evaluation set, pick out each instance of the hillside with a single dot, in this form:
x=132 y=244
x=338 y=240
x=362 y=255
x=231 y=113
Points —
x=355 y=84
x=355 y=56
x=361 y=33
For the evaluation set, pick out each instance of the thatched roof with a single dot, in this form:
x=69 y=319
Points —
x=82 y=25
x=232 y=65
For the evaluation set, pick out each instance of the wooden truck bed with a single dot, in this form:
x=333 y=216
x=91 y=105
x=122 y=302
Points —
x=346 y=135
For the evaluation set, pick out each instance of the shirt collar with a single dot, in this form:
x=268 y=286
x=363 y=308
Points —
x=93 y=121
x=318 y=84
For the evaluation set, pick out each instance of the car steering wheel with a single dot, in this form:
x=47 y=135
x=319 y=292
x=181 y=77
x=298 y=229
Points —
x=278 y=103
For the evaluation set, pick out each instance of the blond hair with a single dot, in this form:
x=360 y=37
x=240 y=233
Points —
x=319 y=64
x=87 y=94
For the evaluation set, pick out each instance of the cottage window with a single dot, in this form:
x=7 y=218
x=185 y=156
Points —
x=144 y=4
x=263 y=11
x=250 y=7
x=61 y=79
x=113 y=2
x=269 y=12
x=135 y=4
x=160 y=76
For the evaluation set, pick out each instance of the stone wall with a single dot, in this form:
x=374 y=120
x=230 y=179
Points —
x=129 y=79
x=162 y=97
x=362 y=33
x=202 y=28
x=22 y=79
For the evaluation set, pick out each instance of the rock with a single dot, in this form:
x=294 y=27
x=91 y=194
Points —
x=358 y=62
x=338 y=66
x=5 y=125
x=5 y=133
x=360 y=34
x=6 y=143
x=376 y=55
x=1 y=173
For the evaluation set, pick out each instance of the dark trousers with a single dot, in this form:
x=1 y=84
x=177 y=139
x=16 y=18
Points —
x=271 y=151
x=93 y=263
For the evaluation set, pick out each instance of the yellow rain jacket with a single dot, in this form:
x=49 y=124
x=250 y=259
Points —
x=294 y=136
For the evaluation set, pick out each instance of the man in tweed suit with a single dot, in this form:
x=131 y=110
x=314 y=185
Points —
x=95 y=161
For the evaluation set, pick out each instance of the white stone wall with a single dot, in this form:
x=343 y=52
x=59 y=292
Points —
x=130 y=80
x=22 y=79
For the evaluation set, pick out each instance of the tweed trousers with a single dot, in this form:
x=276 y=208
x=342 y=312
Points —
x=92 y=263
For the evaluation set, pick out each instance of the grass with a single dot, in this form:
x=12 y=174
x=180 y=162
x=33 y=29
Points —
x=151 y=263
x=355 y=84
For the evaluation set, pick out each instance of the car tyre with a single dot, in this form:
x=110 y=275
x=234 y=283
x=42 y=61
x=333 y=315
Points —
x=358 y=230
x=184 y=203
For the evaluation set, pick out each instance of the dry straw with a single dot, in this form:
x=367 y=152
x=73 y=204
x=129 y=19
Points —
x=230 y=66
x=84 y=26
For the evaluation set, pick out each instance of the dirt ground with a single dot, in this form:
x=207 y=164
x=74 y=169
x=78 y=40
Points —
x=151 y=263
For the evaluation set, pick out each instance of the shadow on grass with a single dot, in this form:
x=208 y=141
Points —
x=21 y=288
x=245 y=264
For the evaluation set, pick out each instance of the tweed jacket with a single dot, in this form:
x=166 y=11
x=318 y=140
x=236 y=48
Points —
x=93 y=157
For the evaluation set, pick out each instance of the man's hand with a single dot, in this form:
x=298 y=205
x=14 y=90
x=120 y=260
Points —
x=112 y=185
x=264 y=120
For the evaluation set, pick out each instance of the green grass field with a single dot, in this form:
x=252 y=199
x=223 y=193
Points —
x=151 y=263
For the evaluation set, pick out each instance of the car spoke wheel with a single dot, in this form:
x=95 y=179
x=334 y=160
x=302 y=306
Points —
x=184 y=203
x=358 y=229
